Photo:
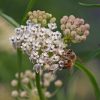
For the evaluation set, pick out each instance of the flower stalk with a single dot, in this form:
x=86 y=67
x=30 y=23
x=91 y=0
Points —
x=19 y=57
x=41 y=95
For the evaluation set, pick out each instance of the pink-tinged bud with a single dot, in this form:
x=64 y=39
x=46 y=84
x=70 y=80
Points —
x=62 y=27
x=76 y=23
x=86 y=33
x=73 y=33
x=67 y=31
x=72 y=17
x=68 y=25
x=87 y=26
x=77 y=38
x=65 y=17
x=64 y=20
x=82 y=27
x=70 y=21
x=83 y=37
x=81 y=21
x=73 y=27
x=78 y=30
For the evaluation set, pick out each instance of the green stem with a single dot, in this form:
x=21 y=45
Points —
x=19 y=57
x=29 y=7
x=41 y=95
x=91 y=77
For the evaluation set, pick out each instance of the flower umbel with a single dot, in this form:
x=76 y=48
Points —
x=28 y=88
x=43 y=18
x=74 y=29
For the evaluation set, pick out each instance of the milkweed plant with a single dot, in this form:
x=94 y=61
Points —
x=48 y=50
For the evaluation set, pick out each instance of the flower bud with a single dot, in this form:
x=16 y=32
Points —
x=58 y=83
x=28 y=73
x=52 y=20
x=23 y=94
x=67 y=31
x=87 y=26
x=62 y=27
x=86 y=33
x=15 y=93
x=46 y=83
x=29 y=13
x=25 y=80
x=14 y=83
x=48 y=94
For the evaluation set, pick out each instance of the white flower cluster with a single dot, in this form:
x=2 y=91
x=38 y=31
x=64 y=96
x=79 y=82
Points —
x=42 y=45
x=28 y=88
x=75 y=30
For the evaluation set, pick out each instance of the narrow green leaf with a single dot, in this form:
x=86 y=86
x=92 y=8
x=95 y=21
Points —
x=91 y=77
x=89 y=5
x=9 y=19
x=29 y=7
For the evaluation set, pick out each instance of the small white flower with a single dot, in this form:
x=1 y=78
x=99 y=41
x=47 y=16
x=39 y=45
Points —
x=52 y=26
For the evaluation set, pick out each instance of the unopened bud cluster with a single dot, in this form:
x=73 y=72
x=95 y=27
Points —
x=41 y=17
x=28 y=84
x=74 y=29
